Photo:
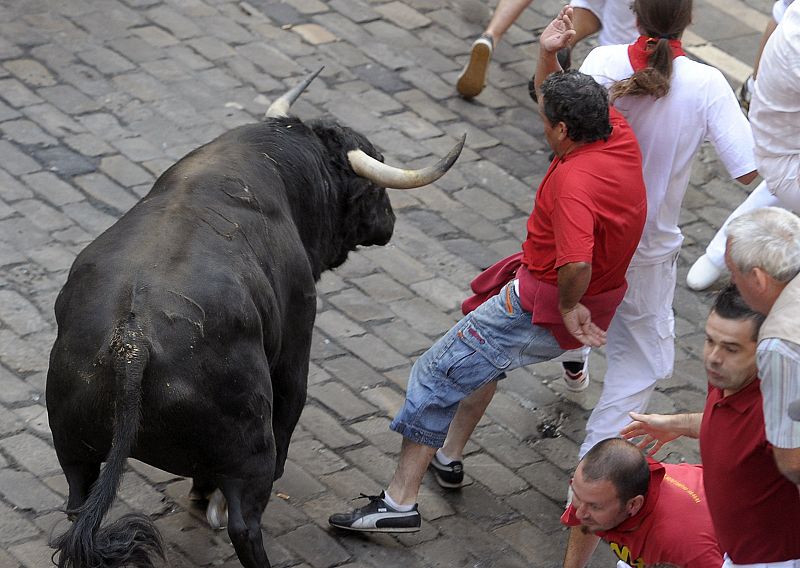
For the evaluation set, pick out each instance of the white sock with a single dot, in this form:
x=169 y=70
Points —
x=394 y=505
x=443 y=457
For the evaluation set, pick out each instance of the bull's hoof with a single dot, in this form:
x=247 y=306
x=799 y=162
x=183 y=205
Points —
x=217 y=511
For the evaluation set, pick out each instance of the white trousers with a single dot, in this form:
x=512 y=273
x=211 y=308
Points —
x=639 y=352
x=760 y=197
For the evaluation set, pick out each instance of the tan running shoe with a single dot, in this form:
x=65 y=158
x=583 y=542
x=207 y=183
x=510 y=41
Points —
x=473 y=77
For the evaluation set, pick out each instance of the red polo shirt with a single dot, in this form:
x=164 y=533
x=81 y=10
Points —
x=590 y=207
x=672 y=526
x=755 y=509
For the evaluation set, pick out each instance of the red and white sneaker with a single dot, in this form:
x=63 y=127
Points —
x=577 y=382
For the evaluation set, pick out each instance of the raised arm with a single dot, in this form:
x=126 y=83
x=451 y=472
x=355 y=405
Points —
x=558 y=33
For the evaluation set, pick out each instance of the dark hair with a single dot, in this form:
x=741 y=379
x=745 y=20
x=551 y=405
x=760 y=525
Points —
x=578 y=101
x=729 y=304
x=661 y=20
x=620 y=462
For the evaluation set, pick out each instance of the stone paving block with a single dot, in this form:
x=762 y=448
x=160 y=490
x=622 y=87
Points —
x=314 y=34
x=25 y=492
x=356 y=10
x=53 y=120
x=374 y=463
x=315 y=458
x=359 y=306
x=385 y=398
x=424 y=315
x=124 y=171
x=68 y=99
x=89 y=217
x=402 y=337
x=353 y=372
x=63 y=161
x=19 y=314
x=504 y=447
x=47 y=185
x=100 y=187
x=398 y=264
x=31 y=453
x=323 y=348
x=211 y=47
x=297 y=484
x=13 y=389
x=535 y=545
x=17 y=94
x=377 y=432
x=341 y=400
x=374 y=351
x=16 y=161
x=31 y=72
x=26 y=133
x=314 y=546
x=336 y=324
x=499 y=479
x=32 y=554
x=193 y=538
x=327 y=428
x=281 y=516
x=538 y=509
x=143 y=86
x=513 y=416
x=179 y=25
x=105 y=60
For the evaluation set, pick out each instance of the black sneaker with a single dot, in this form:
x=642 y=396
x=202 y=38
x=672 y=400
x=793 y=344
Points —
x=377 y=516
x=448 y=475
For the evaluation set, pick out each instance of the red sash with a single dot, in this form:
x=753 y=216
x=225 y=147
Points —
x=640 y=51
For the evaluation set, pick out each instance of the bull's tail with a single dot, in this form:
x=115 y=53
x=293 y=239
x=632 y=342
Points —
x=132 y=540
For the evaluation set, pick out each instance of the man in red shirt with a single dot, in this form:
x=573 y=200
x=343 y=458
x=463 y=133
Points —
x=648 y=512
x=755 y=509
x=559 y=293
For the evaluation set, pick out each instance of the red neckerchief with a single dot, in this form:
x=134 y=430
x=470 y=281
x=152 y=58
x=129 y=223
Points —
x=639 y=52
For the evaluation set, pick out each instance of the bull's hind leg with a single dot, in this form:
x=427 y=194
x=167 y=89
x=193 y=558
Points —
x=80 y=477
x=247 y=500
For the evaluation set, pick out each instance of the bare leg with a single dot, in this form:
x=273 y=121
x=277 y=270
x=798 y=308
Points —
x=469 y=413
x=504 y=15
x=585 y=23
x=407 y=478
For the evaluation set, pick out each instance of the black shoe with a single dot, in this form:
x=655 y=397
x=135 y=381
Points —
x=564 y=57
x=377 y=516
x=448 y=475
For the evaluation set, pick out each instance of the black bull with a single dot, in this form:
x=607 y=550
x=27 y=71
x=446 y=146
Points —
x=184 y=330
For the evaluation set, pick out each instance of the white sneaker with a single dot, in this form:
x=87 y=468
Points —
x=577 y=382
x=703 y=274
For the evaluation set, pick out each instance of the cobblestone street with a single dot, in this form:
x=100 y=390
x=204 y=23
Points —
x=99 y=97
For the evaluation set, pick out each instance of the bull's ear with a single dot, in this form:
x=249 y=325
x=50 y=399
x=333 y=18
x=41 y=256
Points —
x=280 y=107
x=398 y=178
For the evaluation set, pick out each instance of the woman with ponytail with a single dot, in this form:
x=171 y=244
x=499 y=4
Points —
x=673 y=104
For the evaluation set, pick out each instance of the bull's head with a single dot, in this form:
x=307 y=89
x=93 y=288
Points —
x=368 y=216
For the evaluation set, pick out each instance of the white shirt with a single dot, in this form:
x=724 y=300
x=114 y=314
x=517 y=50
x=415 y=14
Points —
x=700 y=106
x=775 y=109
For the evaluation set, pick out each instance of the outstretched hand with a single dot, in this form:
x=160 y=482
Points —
x=578 y=321
x=559 y=33
x=653 y=429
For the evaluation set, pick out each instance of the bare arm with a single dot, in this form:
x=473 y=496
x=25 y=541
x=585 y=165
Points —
x=747 y=178
x=788 y=461
x=656 y=430
x=580 y=547
x=558 y=33
x=573 y=280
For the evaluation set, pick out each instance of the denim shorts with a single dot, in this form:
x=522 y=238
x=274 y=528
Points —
x=495 y=338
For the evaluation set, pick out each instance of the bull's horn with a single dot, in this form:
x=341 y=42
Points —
x=397 y=178
x=280 y=107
